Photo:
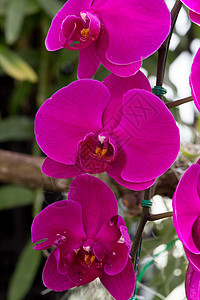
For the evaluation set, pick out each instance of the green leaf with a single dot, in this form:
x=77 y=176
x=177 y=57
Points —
x=14 y=196
x=15 y=66
x=14 y=20
x=30 y=7
x=16 y=128
x=19 y=96
x=51 y=7
x=3 y=5
x=24 y=274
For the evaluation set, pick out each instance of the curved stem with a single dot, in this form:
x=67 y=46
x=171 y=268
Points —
x=179 y=102
x=160 y=216
x=163 y=51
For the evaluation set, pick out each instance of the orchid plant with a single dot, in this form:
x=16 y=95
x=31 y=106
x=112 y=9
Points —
x=116 y=126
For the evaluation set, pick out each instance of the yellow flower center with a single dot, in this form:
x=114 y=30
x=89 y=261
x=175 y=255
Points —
x=100 y=152
x=89 y=259
x=85 y=33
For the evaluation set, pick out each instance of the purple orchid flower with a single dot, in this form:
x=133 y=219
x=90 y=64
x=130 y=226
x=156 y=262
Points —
x=194 y=10
x=118 y=35
x=192 y=284
x=92 y=127
x=186 y=213
x=89 y=237
x=195 y=79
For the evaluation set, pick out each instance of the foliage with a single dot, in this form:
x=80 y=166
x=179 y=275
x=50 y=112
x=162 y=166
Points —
x=25 y=272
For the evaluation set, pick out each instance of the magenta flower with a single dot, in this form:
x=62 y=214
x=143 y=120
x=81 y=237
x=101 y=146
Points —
x=89 y=237
x=194 y=10
x=92 y=127
x=195 y=79
x=118 y=35
x=192 y=284
x=186 y=213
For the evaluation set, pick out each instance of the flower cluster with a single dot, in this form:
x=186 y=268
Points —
x=111 y=129
x=117 y=126
x=90 y=241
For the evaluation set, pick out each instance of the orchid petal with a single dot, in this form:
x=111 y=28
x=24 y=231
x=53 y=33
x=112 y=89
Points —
x=195 y=79
x=115 y=173
x=148 y=136
x=65 y=119
x=118 y=87
x=132 y=27
x=52 y=278
x=192 y=284
x=192 y=4
x=55 y=223
x=195 y=17
x=194 y=259
x=121 y=286
x=100 y=47
x=84 y=189
x=116 y=245
x=55 y=169
x=88 y=63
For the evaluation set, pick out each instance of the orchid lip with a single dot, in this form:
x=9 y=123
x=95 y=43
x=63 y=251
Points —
x=96 y=153
x=87 y=258
x=78 y=32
